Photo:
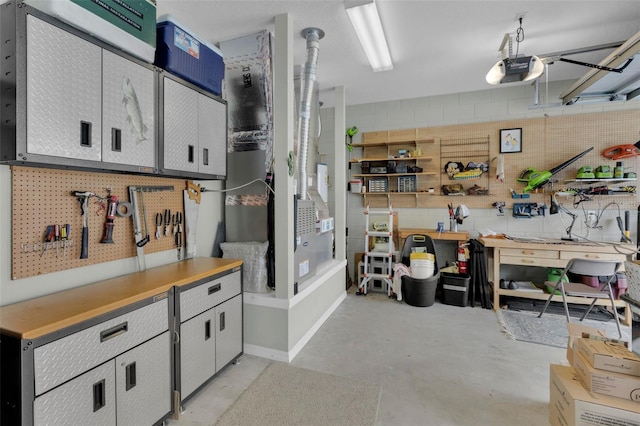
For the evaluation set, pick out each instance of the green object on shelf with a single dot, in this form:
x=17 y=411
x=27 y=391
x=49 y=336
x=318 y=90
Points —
x=604 y=172
x=585 y=172
x=553 y=275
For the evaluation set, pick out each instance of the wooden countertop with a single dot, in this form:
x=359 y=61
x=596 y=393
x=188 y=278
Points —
x=433 y=233
x=36 y=317
x=557 y=244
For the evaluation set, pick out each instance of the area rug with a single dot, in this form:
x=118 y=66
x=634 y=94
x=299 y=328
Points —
x=286 y=395
x=551 y=329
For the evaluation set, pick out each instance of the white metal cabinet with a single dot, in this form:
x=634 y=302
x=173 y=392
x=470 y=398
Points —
x=63 y=103
x=65 y=358
x=197 y=351
x=180 y=127
x=194 y=131
x=89 y=399
x=129 y=110
x=210 y=330
x=212 y=137
x=143 y=382
x=228 y=331
x=72 y=100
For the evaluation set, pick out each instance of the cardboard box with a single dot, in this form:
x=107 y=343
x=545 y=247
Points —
x=571 y=404
x=575 y=332
x=606 y=382
x=608 y=356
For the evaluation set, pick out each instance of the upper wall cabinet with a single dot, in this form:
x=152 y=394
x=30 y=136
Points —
x=193 y=139
x=69 y=101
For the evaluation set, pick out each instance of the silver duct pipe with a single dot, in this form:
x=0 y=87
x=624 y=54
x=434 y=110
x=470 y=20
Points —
x=313 y=36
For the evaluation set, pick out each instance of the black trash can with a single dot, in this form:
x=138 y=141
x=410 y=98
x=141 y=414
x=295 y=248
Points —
x=420 y=291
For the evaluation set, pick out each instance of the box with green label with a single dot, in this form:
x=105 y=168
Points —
x=129 y=25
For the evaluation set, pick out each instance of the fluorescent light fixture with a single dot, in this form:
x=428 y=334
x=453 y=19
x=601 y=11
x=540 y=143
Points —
x=366 y=22
x=512 y=70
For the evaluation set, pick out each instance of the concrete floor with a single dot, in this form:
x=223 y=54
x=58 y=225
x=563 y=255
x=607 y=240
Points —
x=439 y=365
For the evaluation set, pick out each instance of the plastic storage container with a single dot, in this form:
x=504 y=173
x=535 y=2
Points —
x=455 y=288
x=182 y=53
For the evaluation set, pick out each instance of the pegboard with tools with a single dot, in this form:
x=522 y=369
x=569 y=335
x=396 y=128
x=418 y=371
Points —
x=47 y=220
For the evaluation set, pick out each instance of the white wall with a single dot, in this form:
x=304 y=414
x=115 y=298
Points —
x=503 y=103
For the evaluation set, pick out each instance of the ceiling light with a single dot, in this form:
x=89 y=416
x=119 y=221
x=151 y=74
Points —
x=366 y=22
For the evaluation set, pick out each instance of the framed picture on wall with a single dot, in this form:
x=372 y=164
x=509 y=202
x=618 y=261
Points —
x=510 y=140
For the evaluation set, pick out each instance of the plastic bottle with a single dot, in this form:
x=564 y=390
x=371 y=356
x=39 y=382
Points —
x=618 y=171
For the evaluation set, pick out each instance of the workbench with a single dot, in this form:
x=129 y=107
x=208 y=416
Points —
x=120 y=350
x=459 y=236
x=549 y=253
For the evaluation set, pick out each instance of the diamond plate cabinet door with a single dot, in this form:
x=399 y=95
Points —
x=64 y=106
x=129 y=108
x=193 y=141
x=72 y=100
x=88 y=399
x=143 y=382
x=210 y=313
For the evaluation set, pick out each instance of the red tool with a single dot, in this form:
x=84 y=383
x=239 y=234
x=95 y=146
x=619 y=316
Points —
x=622 y=151
x=107 y=237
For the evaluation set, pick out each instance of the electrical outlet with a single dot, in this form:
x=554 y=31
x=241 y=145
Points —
x=591 y=218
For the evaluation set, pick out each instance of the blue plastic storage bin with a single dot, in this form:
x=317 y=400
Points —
x=183 y=54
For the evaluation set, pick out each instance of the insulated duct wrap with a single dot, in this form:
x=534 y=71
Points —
x=313 y=36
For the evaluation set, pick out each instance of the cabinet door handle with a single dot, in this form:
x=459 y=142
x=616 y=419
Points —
x=116 y=139
x=85 y=134
x=207 y=330
x=191 y=153
x=205 y=157
x=215 y=288
x=222 y=324
x=99 y=397
x=130 y=373
x=114 y=331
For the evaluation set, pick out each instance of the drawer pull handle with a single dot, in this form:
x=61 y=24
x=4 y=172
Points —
x=215 y=288
x=130 y=373
x=191 y=153
x=85 y=133
x=99 y=398
x=528 y=261
x=207 y=330
x=222 y=322
x=116 y=140
x=114 y=332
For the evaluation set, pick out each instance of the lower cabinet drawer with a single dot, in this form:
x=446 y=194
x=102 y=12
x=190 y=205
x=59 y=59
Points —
x=547 y=254
x=89 y=399
x=65 y=358
x=595 y=255
x=205 y=296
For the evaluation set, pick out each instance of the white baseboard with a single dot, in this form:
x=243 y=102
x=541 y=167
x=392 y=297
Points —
x=282 y=356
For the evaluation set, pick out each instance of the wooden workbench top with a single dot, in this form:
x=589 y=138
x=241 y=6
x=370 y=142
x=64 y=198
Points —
x=603 y=247
x=43 y=315
x=433 y=233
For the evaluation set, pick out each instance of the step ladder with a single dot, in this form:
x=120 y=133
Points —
x=383 y=232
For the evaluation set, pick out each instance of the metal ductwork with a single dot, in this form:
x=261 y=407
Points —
x=313 y=36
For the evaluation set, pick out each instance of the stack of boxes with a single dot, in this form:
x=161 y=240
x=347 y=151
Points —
x=600 y=387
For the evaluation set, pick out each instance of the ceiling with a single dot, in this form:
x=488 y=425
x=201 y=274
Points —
x=438 y=46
